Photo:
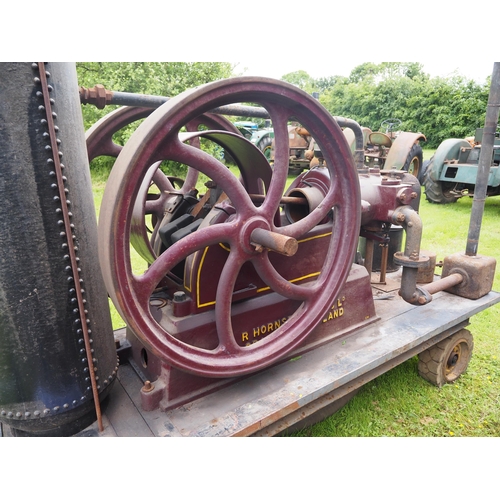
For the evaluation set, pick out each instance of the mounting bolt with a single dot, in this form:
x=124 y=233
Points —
x=148 y=386
x=179 y=296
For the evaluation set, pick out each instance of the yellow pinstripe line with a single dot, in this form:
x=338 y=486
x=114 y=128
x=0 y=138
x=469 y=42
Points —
x=260 y=289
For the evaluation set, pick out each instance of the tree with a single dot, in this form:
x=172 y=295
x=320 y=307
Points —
x=440 y=108
x=324 y=83
x=304 y=81
x=154 y=78
x=385 y=70
x=363 y=72
x=301 y=79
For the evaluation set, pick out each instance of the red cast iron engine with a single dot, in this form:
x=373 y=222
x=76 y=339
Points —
x=251 y=272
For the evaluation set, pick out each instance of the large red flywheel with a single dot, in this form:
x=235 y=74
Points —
x=251 y=230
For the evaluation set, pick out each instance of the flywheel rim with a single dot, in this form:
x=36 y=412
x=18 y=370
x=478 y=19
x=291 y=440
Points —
x=147 y=145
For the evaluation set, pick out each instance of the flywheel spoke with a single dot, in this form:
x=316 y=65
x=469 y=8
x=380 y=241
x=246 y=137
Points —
x=223 y=301
x=280 y=285
x=215 y=170
x=280 y=172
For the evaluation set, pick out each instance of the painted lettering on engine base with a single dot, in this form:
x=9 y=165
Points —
x=336 y=311
x=261 y=330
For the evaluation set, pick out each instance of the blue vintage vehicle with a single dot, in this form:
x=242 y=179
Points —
x=261 y=137
x=451 y=172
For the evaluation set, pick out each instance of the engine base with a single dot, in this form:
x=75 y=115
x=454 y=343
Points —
x=171 y=387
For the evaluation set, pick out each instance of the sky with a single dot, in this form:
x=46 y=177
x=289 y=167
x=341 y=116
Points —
x=270 y=39
x=474 y=69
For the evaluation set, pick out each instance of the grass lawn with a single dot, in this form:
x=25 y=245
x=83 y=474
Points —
x=400 y=403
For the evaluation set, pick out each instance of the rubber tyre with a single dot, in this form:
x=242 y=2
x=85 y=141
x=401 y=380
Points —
x=413 y=163
x=424 y=169
x=265 y=146
x=447 y=360
x=436 y=191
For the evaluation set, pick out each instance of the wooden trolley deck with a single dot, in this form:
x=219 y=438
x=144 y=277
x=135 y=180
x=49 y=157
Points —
x=273 y=400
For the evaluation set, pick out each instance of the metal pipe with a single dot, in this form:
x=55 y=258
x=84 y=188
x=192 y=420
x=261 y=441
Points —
x=443 y=283
x=483 y=169
x=359 y=153
x=101 y=97
x=411 y=259
x=406 y=216
x=137 y=100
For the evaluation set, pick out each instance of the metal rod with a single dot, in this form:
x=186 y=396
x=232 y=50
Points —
x=369 y=255
x=286 y=200
x=443 y=283
x=71 y=246
x=383 y=262
x=285 y=245
x=483 y=169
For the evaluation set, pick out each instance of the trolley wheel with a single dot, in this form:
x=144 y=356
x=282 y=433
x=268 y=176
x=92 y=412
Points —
x=447 y=360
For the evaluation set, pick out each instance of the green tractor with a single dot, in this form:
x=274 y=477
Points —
x=261 y=137
x=247 y=128
x=451 y=172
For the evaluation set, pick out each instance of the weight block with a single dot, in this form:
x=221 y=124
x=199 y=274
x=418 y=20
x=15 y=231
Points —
x=425 y=273
x=478 y=272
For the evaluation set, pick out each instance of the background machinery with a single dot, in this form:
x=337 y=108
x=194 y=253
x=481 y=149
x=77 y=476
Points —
x=452 y=171
x=392 y=148
x=385 y=150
